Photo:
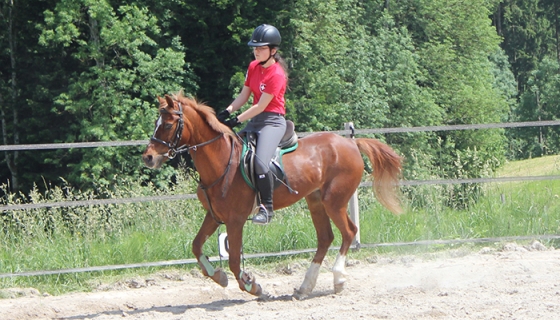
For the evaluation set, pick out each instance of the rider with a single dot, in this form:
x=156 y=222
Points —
x=266 y=79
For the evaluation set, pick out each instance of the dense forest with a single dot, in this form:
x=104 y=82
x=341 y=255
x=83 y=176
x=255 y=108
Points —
x=82 y=70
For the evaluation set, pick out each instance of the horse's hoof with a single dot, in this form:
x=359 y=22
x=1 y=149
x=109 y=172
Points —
x=258 y=290
x=339 y=287
x=220 y=277
x=299 y=295
x=248 y=283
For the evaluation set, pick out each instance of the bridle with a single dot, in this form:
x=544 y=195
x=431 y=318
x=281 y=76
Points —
x=172 y=145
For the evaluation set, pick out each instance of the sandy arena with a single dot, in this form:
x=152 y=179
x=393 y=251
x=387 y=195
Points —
x=514 y=282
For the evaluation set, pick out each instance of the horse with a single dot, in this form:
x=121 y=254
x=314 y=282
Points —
x=325 y=169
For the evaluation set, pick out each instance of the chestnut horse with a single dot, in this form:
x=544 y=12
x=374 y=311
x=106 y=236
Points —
x=325 y=168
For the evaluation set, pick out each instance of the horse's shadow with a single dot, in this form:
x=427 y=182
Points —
x=218 y=305
x=176 y=310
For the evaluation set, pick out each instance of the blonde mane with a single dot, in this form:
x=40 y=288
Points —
x=206 y=112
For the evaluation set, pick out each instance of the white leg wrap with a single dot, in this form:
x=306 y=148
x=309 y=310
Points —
x=310 y=279
x=339 y=273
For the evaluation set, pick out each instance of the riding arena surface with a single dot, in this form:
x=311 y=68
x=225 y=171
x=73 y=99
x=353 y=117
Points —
x=510 y=281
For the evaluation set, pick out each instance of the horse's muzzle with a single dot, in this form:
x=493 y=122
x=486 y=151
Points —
x=153 y=161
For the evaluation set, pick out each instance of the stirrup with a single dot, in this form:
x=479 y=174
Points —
x=262 y=217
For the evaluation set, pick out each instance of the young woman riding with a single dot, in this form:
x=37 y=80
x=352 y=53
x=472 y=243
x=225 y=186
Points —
x=266 y=80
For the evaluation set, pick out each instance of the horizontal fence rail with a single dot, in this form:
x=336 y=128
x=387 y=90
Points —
x=72 y=145
x=272 y=254
x=190 y=196
x=93 y=202
x=50 y=146
x=472 y=180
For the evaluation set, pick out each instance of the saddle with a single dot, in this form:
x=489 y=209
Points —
x=288 y=144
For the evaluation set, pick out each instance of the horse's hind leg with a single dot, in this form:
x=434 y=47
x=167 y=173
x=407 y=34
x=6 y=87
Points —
x=208 y=227
x=334 y=197
x=325 y=237
x=348 y=231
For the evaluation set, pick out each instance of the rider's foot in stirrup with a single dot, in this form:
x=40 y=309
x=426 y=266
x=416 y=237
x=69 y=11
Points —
x=263 y=216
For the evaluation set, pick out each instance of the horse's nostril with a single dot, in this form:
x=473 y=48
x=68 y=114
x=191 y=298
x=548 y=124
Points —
x=148 y=158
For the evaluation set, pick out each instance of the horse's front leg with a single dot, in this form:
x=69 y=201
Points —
x=246 y=281
x=208 y=227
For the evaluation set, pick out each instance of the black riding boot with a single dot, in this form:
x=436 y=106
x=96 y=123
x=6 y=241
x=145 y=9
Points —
x=265 y=185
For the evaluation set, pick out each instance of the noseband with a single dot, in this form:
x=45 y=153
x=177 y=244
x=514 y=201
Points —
x=173 y=150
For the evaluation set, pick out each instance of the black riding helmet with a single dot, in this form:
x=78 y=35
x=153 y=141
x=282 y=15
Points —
x=265 y=35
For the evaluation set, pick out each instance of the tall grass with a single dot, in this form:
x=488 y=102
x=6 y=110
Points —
x=76 y=237
x=529 y=208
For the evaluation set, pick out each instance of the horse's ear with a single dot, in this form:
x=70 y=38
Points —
x=161 y=100
x=170 y=102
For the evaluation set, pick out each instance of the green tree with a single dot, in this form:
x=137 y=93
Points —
x=541 y=101
x=119 y=70
x=552 y=10
x=333 y=79
x=527 y=34
x=377 y=63
x=460 y=41
x=531 y=32
x=215 y=35
x=27 y=85
x=457 y=47
x=10 y=89
x=409 y=102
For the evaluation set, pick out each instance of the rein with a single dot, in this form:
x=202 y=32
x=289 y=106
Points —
x=204 y=188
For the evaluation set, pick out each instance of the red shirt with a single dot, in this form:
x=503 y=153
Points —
x=271 y=80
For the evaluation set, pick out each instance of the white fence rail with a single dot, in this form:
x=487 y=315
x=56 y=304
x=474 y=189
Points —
x=272 y=254
x=22 y=147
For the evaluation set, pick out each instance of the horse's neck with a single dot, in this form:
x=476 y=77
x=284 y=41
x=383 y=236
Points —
x=216 y=160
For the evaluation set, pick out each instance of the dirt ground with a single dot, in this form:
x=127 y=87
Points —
x=512 y=282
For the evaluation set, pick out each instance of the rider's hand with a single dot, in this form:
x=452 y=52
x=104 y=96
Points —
x=223 y=115
x=233 y=122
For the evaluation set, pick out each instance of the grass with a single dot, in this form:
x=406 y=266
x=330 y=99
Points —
x=62 y=238
x=505 y=209
x=547 y=165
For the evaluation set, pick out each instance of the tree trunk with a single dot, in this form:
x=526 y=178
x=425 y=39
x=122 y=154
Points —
x=542 y=141
x=557 y=28
x=11 y=158
x=498 y=19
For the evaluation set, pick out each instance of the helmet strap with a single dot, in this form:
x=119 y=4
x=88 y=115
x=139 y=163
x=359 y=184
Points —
x=262 y=63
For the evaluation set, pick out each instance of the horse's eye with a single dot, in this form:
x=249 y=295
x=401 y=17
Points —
x=168 y=126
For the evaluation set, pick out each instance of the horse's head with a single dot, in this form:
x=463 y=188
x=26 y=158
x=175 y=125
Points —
x=183 y=124
x=167 y=134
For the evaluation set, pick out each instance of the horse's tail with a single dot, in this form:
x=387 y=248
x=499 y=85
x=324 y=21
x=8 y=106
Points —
x=387 y=165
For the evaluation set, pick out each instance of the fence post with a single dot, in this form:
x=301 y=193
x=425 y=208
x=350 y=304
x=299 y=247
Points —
x=353 y=208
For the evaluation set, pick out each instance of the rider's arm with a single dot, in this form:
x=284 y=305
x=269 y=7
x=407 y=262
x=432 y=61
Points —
x=256 y=108
x=241 y=99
